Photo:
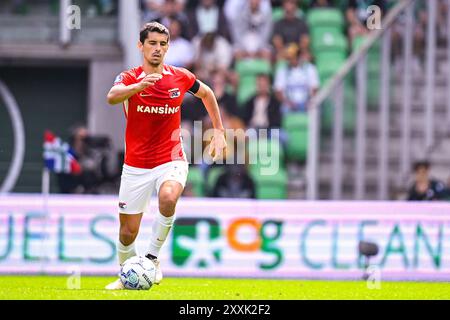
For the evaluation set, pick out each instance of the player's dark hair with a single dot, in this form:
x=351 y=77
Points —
x=421 y=164
x=153 y=27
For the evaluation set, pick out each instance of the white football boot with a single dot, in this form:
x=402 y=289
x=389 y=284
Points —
x=158 y=272
x=116 y=285
x=158 y=275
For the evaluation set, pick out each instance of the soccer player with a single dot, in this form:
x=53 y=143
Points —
x=154 y=158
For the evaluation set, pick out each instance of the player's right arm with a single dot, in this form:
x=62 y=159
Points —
x=121 y=92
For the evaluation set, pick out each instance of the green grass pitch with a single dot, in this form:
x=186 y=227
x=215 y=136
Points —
x=55 y=288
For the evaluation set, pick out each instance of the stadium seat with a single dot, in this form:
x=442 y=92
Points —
x=295 y=121
x=327 y=70
x=270 y=186
x=324 y=58
x=248 y=69
x=246 y=89
x=212 y=176
x=325 y=17
x=280 y=64
x=373 y=56
x=296 y=128
x=328 y=40
x=195 y=177
x=278 y=13
x=253 y=67
x=268 y=148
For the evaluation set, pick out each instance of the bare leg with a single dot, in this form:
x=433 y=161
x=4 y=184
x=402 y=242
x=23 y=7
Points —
x=129 y=228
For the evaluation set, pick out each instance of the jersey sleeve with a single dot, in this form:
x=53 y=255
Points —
x=189 y=79
x=124 y=78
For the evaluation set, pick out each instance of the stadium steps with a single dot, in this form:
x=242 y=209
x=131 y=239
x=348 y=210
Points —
x=439 y=156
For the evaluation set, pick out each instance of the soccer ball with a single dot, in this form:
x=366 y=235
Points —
x=138 y=273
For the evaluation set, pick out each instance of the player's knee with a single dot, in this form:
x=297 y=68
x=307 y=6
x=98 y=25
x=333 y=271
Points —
x=167 y=198
x=128 y=234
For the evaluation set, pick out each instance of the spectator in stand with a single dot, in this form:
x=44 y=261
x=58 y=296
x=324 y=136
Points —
x=166 y=12
x=182 y=51
x=232 y=8
x=212 y=53
x=321 y=4
x=251 y=31
x=208 y=17
x=290 y=29
x=234 y=183
x=297 y=82
x=227 y=106
x=263 y=110
x=151 y=9
x=101 y=7
x=225 y=99
x=424 y=187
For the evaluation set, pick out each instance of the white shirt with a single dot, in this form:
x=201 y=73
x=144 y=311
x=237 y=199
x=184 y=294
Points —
x=220 y=56
x=207 y=19
x=260 y=117
x=180 y=53
x=297 y=83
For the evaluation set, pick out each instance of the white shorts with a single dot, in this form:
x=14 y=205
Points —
x=137 y=185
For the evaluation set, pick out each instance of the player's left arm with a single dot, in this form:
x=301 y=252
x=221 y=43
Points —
x=218 y=144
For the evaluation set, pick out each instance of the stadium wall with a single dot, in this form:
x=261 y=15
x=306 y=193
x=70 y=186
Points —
x=231 y=238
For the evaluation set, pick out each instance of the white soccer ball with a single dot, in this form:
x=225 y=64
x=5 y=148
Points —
x=138 y=273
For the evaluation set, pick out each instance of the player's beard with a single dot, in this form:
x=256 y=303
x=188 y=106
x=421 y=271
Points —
x=155 y=62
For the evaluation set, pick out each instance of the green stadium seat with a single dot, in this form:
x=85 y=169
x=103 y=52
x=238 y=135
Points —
x=325 y=17
x=246 y=89
x=292 y=121
x=212 y=176
x=324 y=58
x=280 y=64
x=195 y=177
x=296 y=127
x=269 y=148
x=373 y=56
x=278 y=13
x=270 y=186
x=253 y=67
x=327 y=70
x=328 y=40
x=248 y=69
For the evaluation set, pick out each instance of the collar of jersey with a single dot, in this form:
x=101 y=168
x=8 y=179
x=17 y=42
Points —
x=143 y=74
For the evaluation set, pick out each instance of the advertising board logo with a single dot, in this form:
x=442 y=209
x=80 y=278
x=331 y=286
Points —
x=199 y=242
x=196 y=242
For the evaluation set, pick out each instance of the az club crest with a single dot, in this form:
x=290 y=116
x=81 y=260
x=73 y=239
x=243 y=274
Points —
x=174 y=93
x=122 y=205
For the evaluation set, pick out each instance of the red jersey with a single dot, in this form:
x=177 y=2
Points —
x=152 y=135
